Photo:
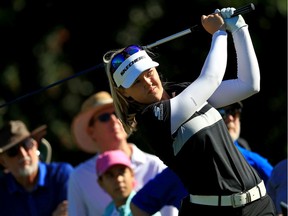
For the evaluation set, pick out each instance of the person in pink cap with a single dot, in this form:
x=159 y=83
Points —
x=96 y=129
x=116 y=178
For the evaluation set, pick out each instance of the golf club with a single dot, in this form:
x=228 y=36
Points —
x=242 y=10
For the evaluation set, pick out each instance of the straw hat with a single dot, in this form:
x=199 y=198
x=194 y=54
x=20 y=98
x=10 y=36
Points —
x=80 y=123
x=15 y=131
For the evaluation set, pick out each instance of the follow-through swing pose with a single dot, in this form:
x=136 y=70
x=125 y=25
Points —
x=195 y=142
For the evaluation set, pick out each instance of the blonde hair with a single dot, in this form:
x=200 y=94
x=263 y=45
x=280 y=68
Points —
x=122 y=104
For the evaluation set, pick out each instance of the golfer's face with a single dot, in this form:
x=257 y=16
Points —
x=147 y=88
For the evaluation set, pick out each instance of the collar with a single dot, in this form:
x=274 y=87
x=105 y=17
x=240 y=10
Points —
x=13 y=186
x=138 y=157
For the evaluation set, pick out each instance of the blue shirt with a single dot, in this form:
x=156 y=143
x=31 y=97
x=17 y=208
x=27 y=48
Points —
x=165 y=189
x=259 y=163
x=277 y=185
x=50 y=190
x=123 y=210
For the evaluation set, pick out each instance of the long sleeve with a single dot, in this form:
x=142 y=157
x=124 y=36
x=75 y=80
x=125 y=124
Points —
x=247 y=82
x=198 y=92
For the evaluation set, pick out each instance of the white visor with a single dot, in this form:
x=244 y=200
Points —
x=132 y=67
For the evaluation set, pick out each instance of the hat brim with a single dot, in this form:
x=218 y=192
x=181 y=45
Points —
x=132 y=67
x=36 y=134
x=136 y=70
x=80 y=125
x=39 y=132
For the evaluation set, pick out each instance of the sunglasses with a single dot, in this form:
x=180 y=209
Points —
x=226 y=112
x=105 y=117
x=27 y=144
x=119 y=58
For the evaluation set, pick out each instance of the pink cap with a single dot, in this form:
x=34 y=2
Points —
x=111 y=158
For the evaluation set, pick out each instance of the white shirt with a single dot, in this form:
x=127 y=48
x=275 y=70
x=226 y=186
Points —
x=87 y=198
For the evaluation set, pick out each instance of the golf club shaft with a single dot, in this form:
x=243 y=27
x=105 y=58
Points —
x=242 y=10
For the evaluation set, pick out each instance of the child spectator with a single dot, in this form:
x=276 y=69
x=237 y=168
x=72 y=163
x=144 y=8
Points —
x=116 y=177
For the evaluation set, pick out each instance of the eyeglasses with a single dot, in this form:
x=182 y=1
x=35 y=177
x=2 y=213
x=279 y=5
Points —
x=27 y=144
x=105 y=117
x=119 y=58
x=225 y=112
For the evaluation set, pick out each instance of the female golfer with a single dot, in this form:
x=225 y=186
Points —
x=182 y=126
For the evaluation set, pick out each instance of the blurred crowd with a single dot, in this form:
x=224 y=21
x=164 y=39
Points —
x=43 y=187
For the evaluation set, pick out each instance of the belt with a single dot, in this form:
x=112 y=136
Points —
x=235 y=200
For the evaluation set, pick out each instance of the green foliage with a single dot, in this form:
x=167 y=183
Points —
x=43 y=42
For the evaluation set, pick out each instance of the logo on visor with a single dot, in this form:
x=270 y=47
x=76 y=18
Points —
x=131 y=63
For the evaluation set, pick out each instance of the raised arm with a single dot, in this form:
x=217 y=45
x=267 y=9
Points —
x=197 y=93
x=247 y=82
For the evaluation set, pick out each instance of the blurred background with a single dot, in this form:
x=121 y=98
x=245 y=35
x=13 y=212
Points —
x=46 y=41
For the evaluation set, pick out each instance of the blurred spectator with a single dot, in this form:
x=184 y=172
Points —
x=232 y=115
x=96 y=129
x=116 y=177
x=30 y=187
x=234 y=127
x=277 y=187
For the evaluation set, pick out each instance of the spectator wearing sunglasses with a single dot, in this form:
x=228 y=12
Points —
x=116 y=177
x=193 y=139
x=30 y=187
x=234 y=110
x=231 y=114
x=96 y=129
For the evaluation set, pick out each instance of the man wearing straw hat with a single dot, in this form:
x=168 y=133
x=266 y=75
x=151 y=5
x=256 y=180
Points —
x=96 y=129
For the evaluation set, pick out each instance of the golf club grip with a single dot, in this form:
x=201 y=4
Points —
x=243 y=10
